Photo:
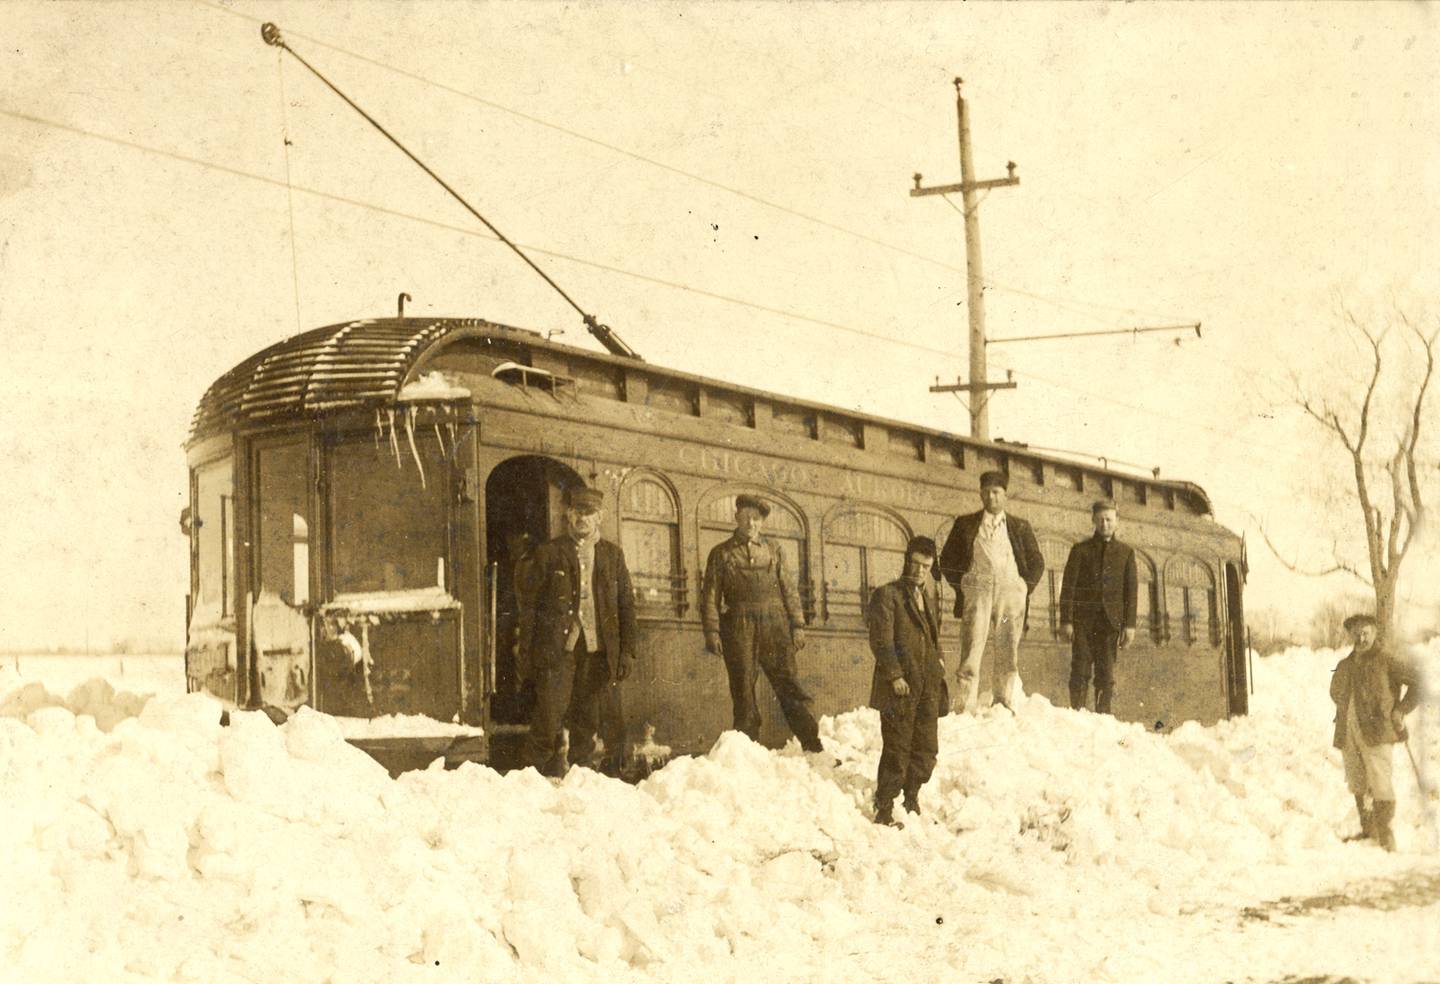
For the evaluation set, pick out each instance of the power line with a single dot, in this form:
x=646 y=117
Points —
x=1151 y=412
x=470 y=231
x=1060 y=301
x=714 y=295
x=595 y=141
x=603 y=333
x=673 y=169
x=289 y=193
x=751 y=52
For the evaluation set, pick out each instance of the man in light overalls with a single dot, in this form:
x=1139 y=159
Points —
x=993 y=562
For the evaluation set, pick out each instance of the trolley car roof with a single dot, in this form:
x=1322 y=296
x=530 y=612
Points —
x=359 y=365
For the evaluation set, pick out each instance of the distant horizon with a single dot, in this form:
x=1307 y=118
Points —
x=114 y=649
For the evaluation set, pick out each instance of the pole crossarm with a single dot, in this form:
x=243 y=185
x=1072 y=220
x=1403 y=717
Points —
x=960 y=387
x=1195 y=327
x=978 y=388
x=964 y=186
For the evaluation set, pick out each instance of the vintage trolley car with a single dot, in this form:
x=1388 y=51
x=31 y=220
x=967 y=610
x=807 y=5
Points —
x=358 y=494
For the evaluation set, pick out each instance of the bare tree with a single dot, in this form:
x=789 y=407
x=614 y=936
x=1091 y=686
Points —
x=1383 y=453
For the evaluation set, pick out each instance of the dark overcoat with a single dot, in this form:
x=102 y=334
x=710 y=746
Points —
x=1118 y=584
x=905 y=641
x=1374 y=681
x=553 y=592
x=959 y=552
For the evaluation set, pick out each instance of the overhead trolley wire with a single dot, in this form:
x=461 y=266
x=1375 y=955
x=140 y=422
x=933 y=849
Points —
x=289 y=192
x=596 y=141
x=271 y=35
x=469 y=231
x=653 y=162
x=701 y=292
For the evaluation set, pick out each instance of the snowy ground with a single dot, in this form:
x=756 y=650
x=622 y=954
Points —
x=1057 y=847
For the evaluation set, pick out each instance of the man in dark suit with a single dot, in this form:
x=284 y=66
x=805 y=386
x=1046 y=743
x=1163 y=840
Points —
x=993 y=561
x=1097 y=607
x=908 y=688
x=578 y=633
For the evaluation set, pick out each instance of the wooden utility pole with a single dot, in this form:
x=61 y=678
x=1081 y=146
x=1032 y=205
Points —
x=977 y=387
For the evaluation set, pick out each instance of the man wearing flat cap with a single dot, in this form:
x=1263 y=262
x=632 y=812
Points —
x=752 y=618
x=908 y=687
x=993 y=561
x=1369 y=720
x=578 y=635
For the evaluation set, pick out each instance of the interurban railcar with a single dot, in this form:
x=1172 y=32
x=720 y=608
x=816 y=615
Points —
x=358 y=494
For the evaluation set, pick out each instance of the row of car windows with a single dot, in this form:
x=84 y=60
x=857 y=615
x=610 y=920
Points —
x=861 y=548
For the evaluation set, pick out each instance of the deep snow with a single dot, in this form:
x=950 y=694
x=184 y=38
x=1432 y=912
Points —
x=142 y=841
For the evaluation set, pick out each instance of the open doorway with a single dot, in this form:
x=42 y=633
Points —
x=524 y=507
x=1236 y=644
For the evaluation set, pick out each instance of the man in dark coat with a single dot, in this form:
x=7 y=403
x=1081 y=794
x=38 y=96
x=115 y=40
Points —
x=579 y=634
x=908 y=688
x=993 y=561
x=752 y=618
x=1369 y=721
x=1097 y=607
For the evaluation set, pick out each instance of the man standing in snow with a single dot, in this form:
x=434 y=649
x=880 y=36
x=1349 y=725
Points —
x=908 y=688
x=580 y=630
x=752 y=618
x=993 y=562
x=1097 y=607
x=1369 y=720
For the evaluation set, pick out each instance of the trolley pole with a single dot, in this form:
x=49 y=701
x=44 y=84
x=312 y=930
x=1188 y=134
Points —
x=978 y=388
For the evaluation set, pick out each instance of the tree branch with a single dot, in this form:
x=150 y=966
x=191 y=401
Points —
x=1417 y=518
x=1374 y=341
x=1338 y=567
x=1329 y=420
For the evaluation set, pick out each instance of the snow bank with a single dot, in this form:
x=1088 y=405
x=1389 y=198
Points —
x=95 y=699
x=135 y=674
x=1057 y=846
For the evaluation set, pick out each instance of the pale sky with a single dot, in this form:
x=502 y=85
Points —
x=1237 y=164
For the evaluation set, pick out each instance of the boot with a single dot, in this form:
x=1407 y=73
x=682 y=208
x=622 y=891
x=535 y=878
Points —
x=1366 y=822
x=1102 y=700
x=1380 y=824
x=1077 y=697
x=885 y=815
x=912 y=802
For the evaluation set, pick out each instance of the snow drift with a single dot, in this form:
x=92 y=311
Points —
x=145 y=842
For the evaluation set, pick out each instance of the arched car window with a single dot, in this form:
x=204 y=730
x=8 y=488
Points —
x=650 y=536
x=863 y=550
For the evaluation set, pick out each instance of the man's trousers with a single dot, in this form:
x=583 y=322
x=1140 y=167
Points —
x=1092 y=653
x=992 y=605
x=567 y=693
x=910 y=743
x=759 y=639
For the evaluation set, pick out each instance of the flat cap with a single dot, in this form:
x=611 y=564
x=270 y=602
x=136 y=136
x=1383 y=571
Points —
x=1356 y=621
x=990 y=478
x=584 y=499
x=920 y=545
x=754 y=502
